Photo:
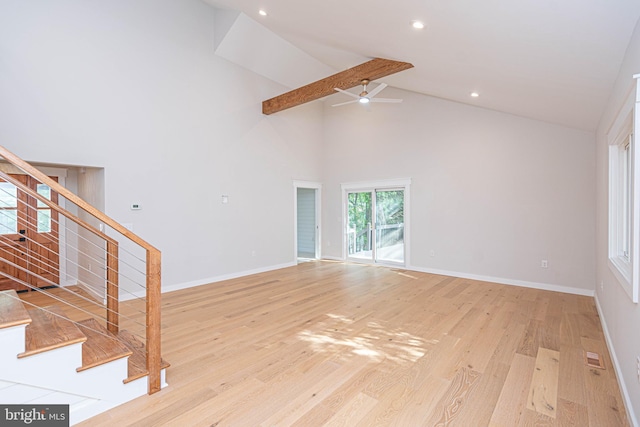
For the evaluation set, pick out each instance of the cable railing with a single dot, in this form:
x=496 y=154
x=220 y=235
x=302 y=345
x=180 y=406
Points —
x=54 y=242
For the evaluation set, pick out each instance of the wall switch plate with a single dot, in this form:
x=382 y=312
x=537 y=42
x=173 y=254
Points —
x=136 y=206
x=544 y=263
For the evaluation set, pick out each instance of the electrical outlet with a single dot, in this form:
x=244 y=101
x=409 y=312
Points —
x=544 y=263
x=432 y=253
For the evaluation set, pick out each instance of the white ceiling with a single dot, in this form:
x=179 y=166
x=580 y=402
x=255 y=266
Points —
x=551 y=60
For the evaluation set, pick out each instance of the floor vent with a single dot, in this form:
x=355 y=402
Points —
x=593 y=360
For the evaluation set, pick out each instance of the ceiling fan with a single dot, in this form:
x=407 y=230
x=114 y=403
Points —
x=365 y=97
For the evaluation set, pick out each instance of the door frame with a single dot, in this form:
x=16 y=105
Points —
x=318 y=190
x=372 y=186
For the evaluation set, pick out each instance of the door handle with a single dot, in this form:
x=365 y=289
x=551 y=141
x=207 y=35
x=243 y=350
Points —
x=22 y=239
x=22 y=231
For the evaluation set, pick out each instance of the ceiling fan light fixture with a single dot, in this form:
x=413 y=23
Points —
x=364 y=100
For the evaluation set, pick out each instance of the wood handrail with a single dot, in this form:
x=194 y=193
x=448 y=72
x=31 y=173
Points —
x=153 y=288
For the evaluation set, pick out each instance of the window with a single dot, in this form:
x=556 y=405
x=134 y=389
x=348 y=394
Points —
x=624 y=208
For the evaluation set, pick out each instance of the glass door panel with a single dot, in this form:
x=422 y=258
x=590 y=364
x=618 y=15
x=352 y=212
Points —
x=8 y=208
x=44 y=212
x=376 y=225
x=389 y=236
x=360 y=225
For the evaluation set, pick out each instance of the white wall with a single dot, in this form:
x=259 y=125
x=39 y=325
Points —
x=620 y=315
x=135 y=88
x=492 y=194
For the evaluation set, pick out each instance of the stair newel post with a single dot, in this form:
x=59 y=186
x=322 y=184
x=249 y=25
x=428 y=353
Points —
x=153 y=320
x=113 y=307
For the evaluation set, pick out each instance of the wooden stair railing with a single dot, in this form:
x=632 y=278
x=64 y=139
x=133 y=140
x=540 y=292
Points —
x=153 y=264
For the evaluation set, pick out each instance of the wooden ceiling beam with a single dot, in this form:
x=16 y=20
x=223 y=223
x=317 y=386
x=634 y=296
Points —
x=371 y=70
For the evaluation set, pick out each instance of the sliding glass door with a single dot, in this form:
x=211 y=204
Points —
x=375 y=225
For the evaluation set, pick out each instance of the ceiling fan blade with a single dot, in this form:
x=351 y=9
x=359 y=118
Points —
x=345 y=103
x=348 y=93
x=377 y=90
x=386 y=100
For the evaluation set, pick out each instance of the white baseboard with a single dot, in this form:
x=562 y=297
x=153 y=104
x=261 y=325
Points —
x=614 y=358
x=208 y=280
x=492 y=279
x=332 y=258
x=503 y=281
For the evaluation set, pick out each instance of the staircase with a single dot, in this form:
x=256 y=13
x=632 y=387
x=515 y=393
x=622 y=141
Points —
x=86 y=330
x=45 y=358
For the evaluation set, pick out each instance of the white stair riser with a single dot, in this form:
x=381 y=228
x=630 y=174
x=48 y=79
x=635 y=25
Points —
x=13 y=338
x=56 y=370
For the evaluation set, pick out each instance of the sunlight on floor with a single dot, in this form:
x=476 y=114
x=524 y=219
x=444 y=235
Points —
x=374 y=341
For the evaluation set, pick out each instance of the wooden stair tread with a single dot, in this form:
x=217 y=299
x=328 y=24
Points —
x=12 y=310
x=101 y=346
x=137 y=361
x=49 y=329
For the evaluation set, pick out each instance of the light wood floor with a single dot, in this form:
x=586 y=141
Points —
x=327 y=344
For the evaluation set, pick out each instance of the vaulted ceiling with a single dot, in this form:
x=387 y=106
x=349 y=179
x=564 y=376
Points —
x=550 y=60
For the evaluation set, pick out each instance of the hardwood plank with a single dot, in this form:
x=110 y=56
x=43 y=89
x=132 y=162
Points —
x=531 y=339
x=532 y=418
x=572 y=414
x=294 y=410
x=49 y=329
x=543 y=394
x=484 y=396
x=371 y=70
x=101 y=346
x=353 y=411
x=513 y=398
x=571 y=385
x=454 y=398
x=12 y=311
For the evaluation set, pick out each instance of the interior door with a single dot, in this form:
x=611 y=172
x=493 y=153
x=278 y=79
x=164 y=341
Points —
x=29 y=238
x=307 y=228
x=375 y=225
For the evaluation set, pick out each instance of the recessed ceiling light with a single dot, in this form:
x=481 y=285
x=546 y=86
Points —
x=417 y=24
x=262 y=12
x=475 y=94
